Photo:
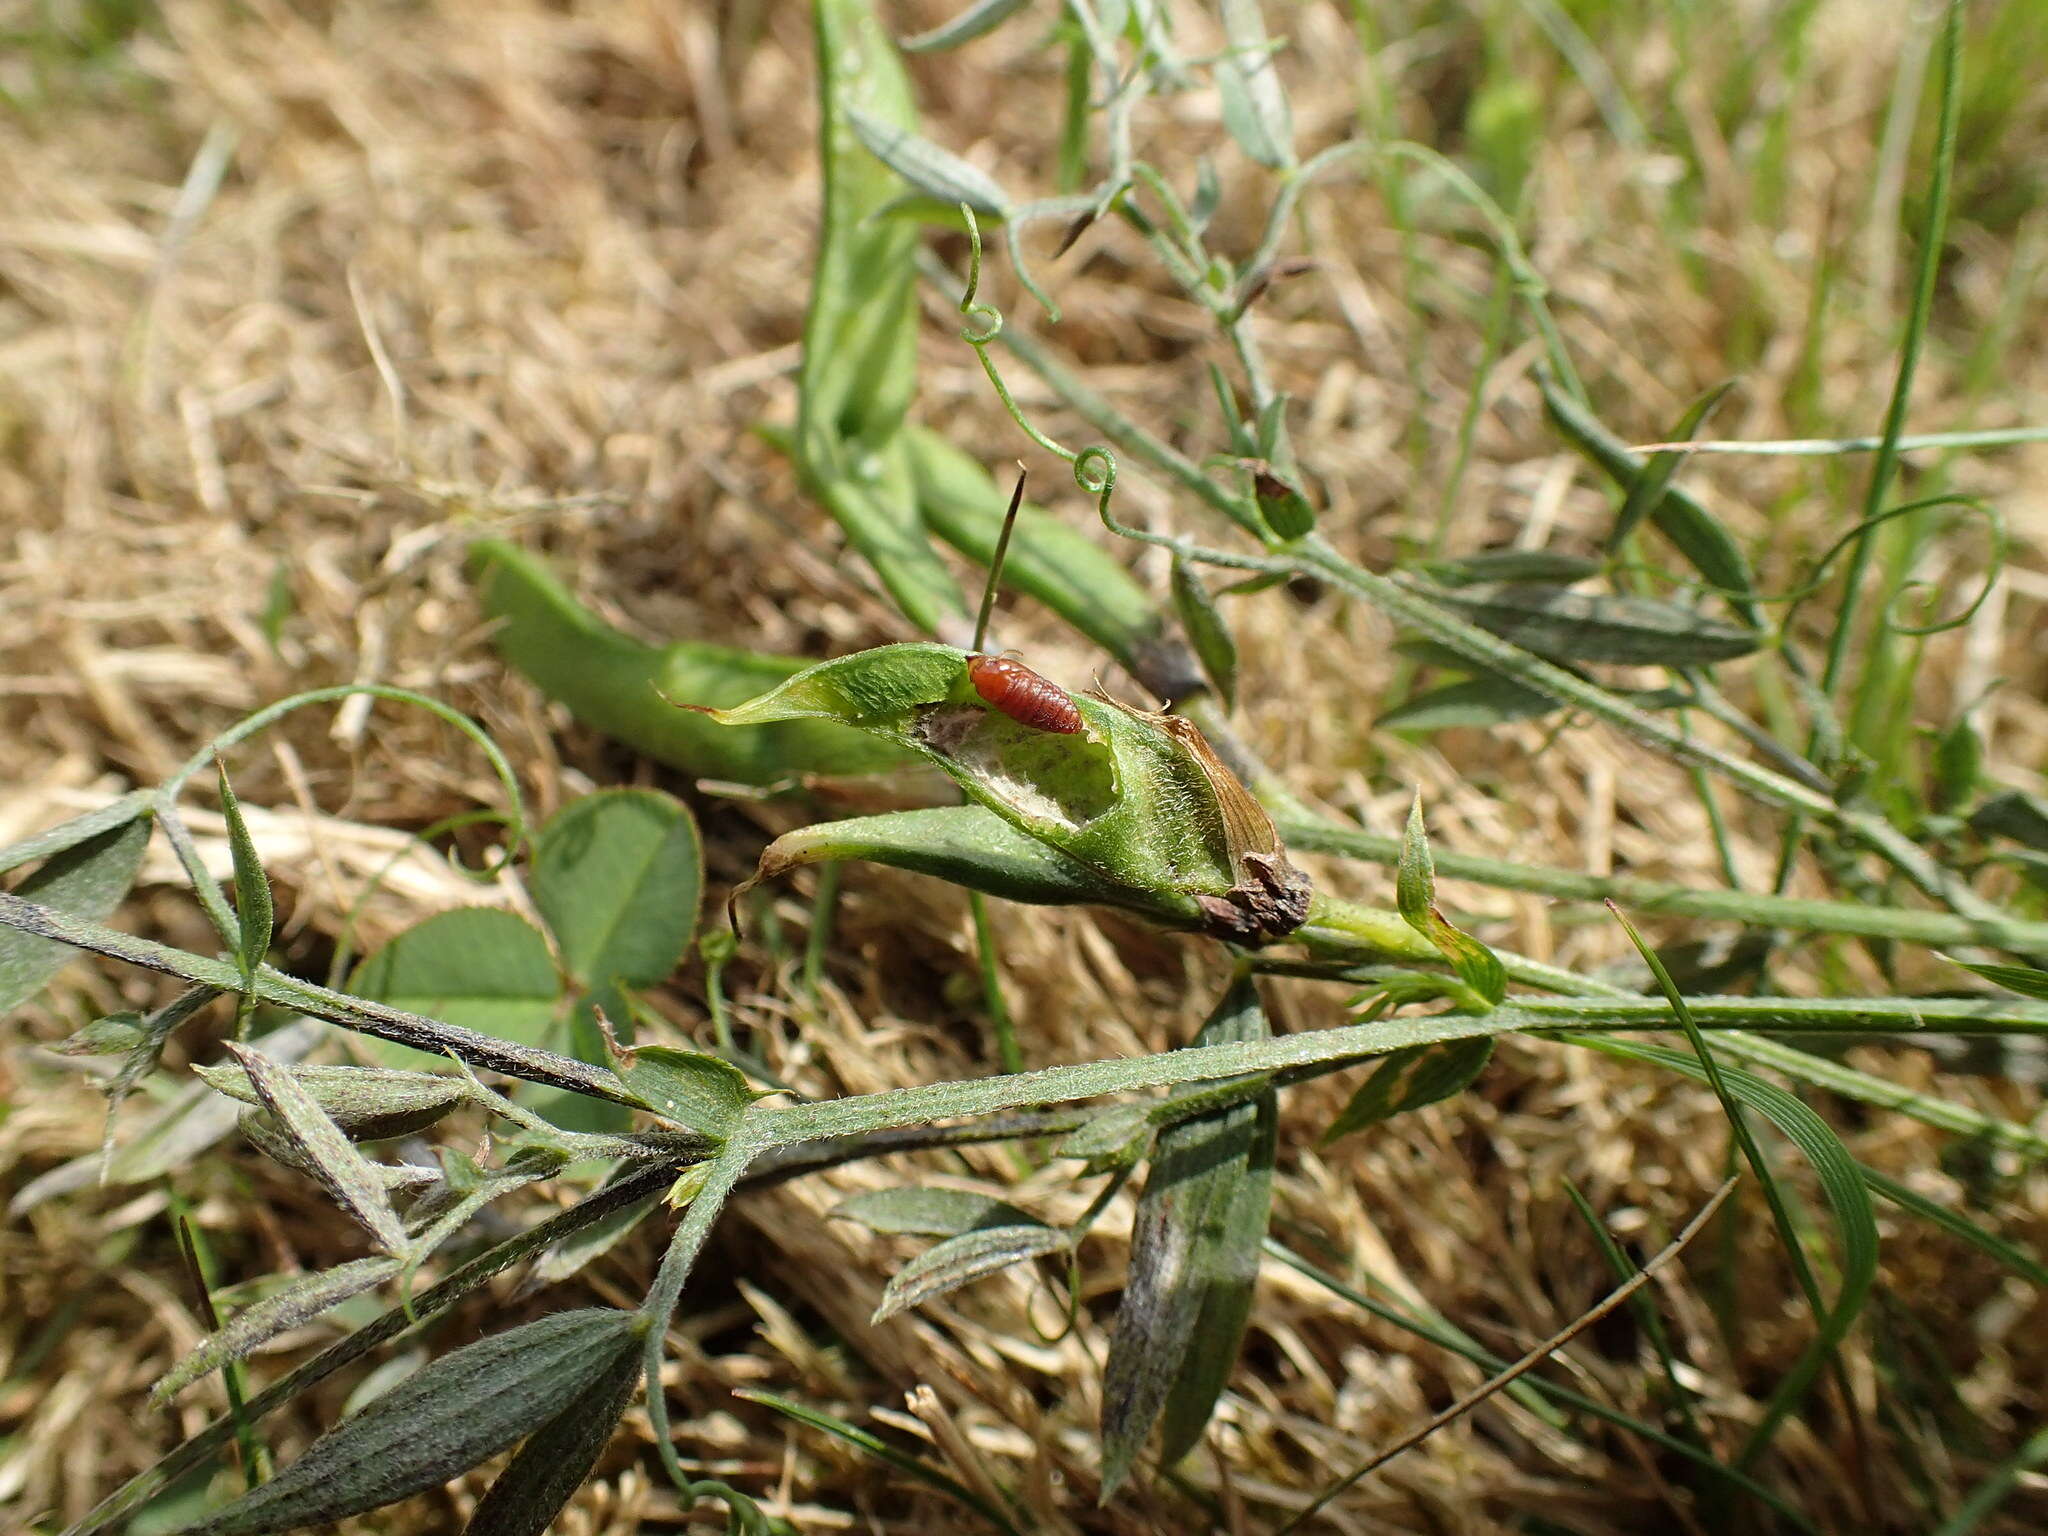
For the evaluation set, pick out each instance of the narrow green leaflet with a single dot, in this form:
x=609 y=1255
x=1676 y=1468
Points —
x=938 y=173
x=477 y=967
x=1194 y=1259
x=618 y=877
x=86 y=879
x=69 y=834
x=2015 y=814
x=1415 y=894
x=444 y=1419
x=369 y=1103
x=2023 y=979
x=698 y=1092
x=973 y=1255
x=1568 y=625
x=557 y=1457
x=1206 y=631
x=1410 y=1079
x=292 y=1306
x=616 y=685
x=1957 y=768
x=1474 y=701
x=1254 y=101
x=924 y=1211
x=253 y=910
x=1694 y=531
x=355 y=1185
x=1646 y=494
x=1511 y=565
x=977 y=20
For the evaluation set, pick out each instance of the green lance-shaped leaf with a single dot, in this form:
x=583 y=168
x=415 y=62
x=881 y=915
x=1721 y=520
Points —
x=1567 y=625
x=442 y=1420
x=1206 y=630
x=292 y=1306
x=368 y=1103
x=1139 y=800
x=698 y=1092
x=477 y=967
x=1473 y=701
x=922 y=1211
x=2023 y=979
x=1646 y=494
x=1510 y=565
x=933 y=170
x=1415 y=894
x=1422 y=1074
x=971 y=1256
x=253 y=910
x=79 y=829
x=1694 y=531
x=1958 y=765
x=617 y=877
x=1194 y=1258
x=1049 y=560
x=1254 y=101
x=614 y=683
x=557 y=1457
x=977 y=20
x=1282 y=503
x=2015 y=814
x=86 y=878
x=1114 y=1138
x=347 y=1174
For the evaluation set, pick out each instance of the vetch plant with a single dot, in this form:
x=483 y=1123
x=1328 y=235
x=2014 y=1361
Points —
x=1064 y=799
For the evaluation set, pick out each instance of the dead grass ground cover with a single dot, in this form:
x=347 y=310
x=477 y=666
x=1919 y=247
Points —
x=296 y=300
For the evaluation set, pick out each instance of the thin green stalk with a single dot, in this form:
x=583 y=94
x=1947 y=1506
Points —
x=1932 y=236
x=1990 y=1493
x=234 y=1375
x=660 y=1306
x=1008 y=1052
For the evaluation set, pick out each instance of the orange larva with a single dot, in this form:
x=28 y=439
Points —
x=1023 y=695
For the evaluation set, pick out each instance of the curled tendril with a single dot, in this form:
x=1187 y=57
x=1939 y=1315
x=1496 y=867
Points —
x=1095 y=470
x=985 y=321
x=515 y=818
x=1819 y=576
x=1994 y=567
x=1094 y=467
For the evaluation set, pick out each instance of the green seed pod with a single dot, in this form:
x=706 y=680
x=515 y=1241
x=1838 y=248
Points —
x=1138 y=800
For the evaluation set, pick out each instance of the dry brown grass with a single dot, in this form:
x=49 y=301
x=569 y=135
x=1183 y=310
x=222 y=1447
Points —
x=496 y=264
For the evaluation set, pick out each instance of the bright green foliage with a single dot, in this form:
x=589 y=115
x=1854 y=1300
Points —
x=618 y=876
x=478 y=967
